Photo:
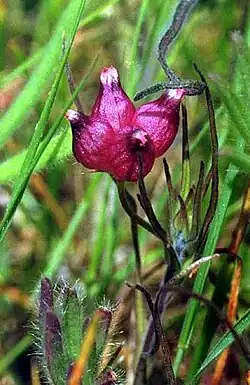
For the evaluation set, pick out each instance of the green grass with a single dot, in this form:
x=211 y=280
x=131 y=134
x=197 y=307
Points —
x=95 y=246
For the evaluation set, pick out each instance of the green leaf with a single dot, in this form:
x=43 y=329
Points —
x=213 y=237
x=238 y=158
x=9 y=358
x=57 y=150
x=38 y=82
x=72 y=325
x=35 y=150
x=223 y=343
x=214 y=234
x=56 y=257
x=236 y=107
x=133 y=73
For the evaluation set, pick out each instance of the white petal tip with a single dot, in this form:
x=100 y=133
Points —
x=109 y=75
x=72 y=115
x=176 y=93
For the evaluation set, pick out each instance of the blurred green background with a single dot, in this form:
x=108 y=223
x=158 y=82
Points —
x=64 y=220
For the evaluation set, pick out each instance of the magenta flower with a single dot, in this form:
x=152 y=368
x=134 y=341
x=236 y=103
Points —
x=111 y=137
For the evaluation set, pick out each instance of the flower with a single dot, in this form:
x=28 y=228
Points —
x=110 y=138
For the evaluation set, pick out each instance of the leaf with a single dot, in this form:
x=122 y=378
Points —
x=72 y=325
x=223 y=343
x=35 y=150
x=55 y=258
x=236 y=108
x=238 y=158
x=212 y=240
x=57 y=150
x=30 y=95
x=57 y=147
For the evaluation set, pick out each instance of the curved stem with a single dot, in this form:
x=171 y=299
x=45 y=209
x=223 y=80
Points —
x=181 y=12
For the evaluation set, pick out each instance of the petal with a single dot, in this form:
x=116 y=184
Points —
x=112 y=104
x=46 y=299
x=77 y=120
x=99 y=147
x=160 y=119
x=53 y=339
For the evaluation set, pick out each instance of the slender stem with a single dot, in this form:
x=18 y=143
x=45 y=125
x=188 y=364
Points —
x=71 y=82
x=135 y=239
x=181 y=12
x=72 y=88
x=159 y=334
x=192 y=267
x=159 y=230
x=191 y=87
x=196 y=216
x=246 y=353
x=124 y=196
x=215 y=170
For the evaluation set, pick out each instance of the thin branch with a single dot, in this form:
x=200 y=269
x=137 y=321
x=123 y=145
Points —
x=71 y=82
x=168 y=287
x=159 y=334
x=196 y=215
x=181 y=12
x=183 y=273
x=124 y=197
x=215 y=172
x=158 y=229
x=135 y=239
x=192 y=87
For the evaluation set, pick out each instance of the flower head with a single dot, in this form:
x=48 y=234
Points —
x=110 y=138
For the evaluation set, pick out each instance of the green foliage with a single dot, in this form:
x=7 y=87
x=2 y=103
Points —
x=93 y=242
x=63 y=318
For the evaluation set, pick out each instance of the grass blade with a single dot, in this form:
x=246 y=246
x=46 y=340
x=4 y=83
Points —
x=223 y=343
x=31 y=93
x=33 y=153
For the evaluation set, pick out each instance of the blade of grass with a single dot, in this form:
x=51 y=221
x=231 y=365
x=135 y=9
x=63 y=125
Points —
x=111 y=234
x=47 y=13
x=53 y=129
x=133 y=73
x=237 y=110
x=57 y=148
x=98 y=244
x=34 y=153
x=213 y=237
x=14 y=353
x=162 y=17
x=223 y=343
x=89 y=18
x=238 y=158
x=57 y=255
x=32 y=60
x=31 y=93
